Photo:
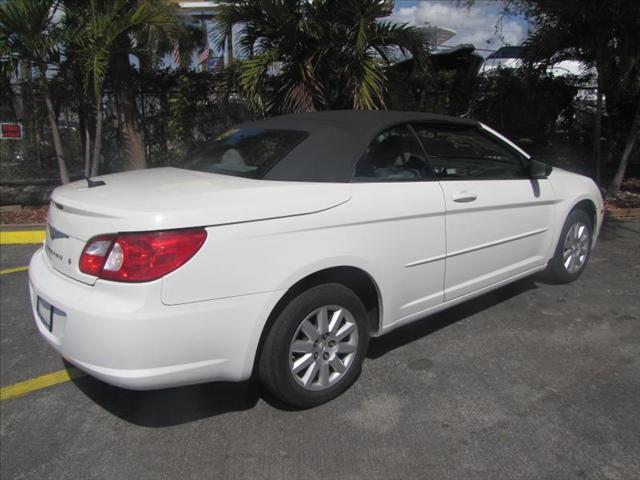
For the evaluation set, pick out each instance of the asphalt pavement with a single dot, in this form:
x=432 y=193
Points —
x=532 y=381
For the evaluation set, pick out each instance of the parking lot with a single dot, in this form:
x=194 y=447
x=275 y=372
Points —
x=531 y=381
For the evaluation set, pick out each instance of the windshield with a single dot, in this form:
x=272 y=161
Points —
x=244 y=152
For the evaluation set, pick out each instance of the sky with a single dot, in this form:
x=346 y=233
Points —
x=475 y=25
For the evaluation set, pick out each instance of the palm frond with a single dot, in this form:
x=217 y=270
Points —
x=28 y=29
x=253 y=78
x=322 y=53
x=101 y=29
x=549 y=44
x=367 y=82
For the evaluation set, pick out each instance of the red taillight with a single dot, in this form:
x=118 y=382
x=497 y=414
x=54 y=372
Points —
x=140 y=257
x=95 y=253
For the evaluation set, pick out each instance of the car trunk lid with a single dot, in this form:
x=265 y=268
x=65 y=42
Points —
x=170 y=198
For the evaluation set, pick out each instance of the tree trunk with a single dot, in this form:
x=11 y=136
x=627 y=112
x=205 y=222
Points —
x=87 y=150
x=10 y=95
x=597 y=134
x=164 y=108
x=55 y=133
x=97 y=145
x=626 y=155
x=230 y=47
x=14 y=96
x=25 y=101
x=131 y=143
x=229 y=76
x=24 y=93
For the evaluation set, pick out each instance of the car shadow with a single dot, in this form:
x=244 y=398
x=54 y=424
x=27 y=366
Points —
x=426 y=326
x=175 y=406
x=171 y=406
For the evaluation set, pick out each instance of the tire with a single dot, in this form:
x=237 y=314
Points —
x=310 y=371
x=572 y=255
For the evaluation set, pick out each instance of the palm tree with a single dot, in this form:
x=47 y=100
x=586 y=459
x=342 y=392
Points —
x=102 y=38
x=311 y=55
x=29 y=31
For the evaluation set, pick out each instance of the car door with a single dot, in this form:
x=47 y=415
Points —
x=401 y=217
x=499 y=221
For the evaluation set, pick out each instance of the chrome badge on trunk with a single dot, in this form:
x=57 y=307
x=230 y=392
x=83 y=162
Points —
x=63 y=251
x=54 y=234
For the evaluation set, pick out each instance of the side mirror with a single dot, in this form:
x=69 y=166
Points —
x=539 y=170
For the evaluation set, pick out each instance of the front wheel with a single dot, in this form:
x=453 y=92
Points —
x=315 y=349
x=573 y=249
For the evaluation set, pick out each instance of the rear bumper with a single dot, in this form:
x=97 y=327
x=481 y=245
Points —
x=124 y=335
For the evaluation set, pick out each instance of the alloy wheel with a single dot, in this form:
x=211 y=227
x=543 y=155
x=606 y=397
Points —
x=576 y=247
x=323 y=347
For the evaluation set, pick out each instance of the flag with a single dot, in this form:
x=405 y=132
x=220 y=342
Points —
x=204 y=55
x=176 y=54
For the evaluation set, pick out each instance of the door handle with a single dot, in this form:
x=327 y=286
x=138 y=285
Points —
x=464 y=197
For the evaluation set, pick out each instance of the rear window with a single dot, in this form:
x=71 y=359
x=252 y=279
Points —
x=244 y=152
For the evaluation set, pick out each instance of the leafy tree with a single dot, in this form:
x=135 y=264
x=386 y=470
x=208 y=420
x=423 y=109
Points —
x=200 y=106
x=602 y=33
x=28 y=31
x=305 y=55
x=504 y=94
x=156 y=79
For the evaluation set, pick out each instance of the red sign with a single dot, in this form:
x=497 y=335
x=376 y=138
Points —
x=11 y=131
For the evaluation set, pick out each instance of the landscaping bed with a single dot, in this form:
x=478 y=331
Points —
x=626 y=204
x=628 y=196
x=13 y=215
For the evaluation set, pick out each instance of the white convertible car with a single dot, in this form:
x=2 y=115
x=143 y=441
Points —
x=280 y=247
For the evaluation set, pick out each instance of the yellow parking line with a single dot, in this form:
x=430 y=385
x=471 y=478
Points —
x=22 y=236
x=22 y=388
x=13 y=270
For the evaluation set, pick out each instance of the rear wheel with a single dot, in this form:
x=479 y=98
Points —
x=573 y=249
x=315 y=348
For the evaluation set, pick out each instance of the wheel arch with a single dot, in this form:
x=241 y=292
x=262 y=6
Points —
x=589 y=207
x=585 y=204
x=354 y=278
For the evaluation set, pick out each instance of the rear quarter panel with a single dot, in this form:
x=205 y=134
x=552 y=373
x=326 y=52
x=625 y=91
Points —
x=374 y=231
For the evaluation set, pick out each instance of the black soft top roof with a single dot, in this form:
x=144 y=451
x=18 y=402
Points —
x=336 y=140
